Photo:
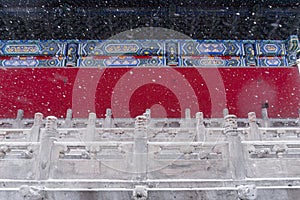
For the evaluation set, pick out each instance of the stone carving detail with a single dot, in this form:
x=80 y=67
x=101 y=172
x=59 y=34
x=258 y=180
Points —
x=51 y=124
x=114 y=151
x=3 y=151
x=141 y=123
x=188 y=152
x=13 y=135
x=32 y=193
x=247 y=192
x=28 y=153
x=140 y=193
x=252 y=117
x=70 y=134
x=260 y=151
x=274 y=151
x=115 y=134
x=16 y=152
x=92 y=151
x=74 y=152
x=230 y=126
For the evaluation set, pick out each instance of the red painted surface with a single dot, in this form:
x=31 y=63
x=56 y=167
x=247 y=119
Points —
x=167 y=91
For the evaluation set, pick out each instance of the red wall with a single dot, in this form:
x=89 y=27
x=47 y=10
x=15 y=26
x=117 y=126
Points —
x=167 y=91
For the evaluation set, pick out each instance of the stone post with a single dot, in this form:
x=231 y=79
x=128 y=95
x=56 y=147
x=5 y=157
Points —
x=147 y=114
x=108 y=119
x=225 y=112
x=187 y=121
x=200 y=128
x=265 y=117
x=140 y=148
x=91 y=128
x=18 y=123
x=68 y=121
x=46 y=145
x=254 y=130
x=35 y=129
x=236 y=157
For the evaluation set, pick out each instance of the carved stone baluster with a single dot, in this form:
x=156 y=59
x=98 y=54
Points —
x=254 y=130
x=35 y=129
x=91 y=128
x=236 y=159
x=200 y=128
x=140 y=154
x=48 y=136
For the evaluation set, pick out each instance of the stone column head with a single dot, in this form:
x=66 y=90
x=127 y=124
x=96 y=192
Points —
x=92 y=118
x=252 y=117
x=225 y=112
x=140 y=122
x=20 y=114
x=147 y=114
x=230 y=126
x=187 y=113
x=51 y=124
x=199 y=117
x=69 y=114
x=38 y=119
x=108 y=113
